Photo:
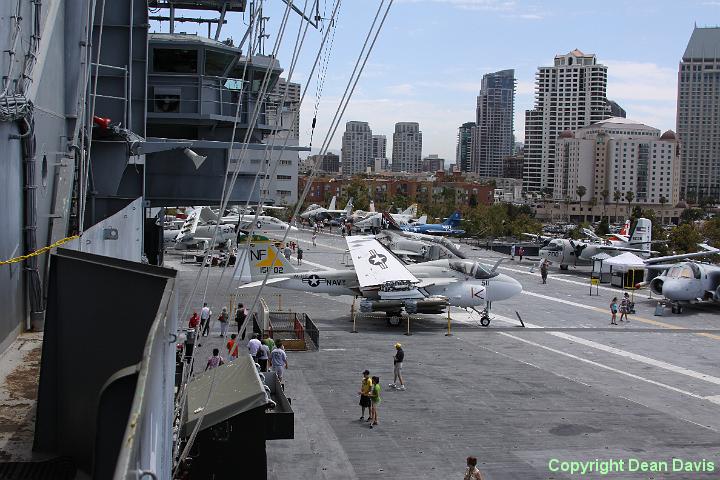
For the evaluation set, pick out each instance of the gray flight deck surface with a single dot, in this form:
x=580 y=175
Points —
x=515 y=398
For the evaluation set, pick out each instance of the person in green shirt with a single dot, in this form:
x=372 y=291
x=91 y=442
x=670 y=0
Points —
x=375 y=397
x=269 y=342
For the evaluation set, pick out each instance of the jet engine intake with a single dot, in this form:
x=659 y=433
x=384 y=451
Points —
x=656 y=286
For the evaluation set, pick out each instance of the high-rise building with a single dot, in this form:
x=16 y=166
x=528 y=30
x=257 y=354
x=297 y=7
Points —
x=463 y=151
x=379 y=146
x=698 y=115
x=289 y=111
x=492 y=137
x=621 y=155
x=356 y=148
x=433 y=163
x=513 y=166
x=616 y=110
x=407 y=147
x=329 y=163
x=569 y=95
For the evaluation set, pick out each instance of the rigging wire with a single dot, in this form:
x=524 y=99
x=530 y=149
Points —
x=228 y=189
x=270 y=147
x=320 y=83
x=349 y=90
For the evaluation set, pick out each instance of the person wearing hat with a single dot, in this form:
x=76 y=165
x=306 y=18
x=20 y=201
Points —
x=366 y=386
x=397 y=370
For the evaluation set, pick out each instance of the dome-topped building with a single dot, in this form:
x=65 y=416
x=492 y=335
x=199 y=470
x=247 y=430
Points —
x=668 y=135
x=618 y=154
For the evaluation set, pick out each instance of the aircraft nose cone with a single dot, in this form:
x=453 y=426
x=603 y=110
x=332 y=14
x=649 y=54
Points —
x=510 y=287
x=678 y=290
x=515 y=287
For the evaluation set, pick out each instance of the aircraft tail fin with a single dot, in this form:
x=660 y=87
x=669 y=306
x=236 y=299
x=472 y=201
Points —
x=260 y=258
x=349 y=207
x=642 y=235
x=332 y=203
x=626 y=229
x=411 y=210
x=422 y=220
x=454 y=219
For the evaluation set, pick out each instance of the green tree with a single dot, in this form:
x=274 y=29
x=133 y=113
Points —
x=617 y=195
x=603 y=228
x=690 y=215
x=358 y=190
x=581 y=191
x=605 y=194
x=711 y=231
x=663 y=201
x=629 y=197
x=684 y=238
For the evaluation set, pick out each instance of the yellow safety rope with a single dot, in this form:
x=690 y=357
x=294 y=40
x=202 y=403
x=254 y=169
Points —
x=38 y=251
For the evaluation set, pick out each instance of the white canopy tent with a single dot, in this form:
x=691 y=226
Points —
x=624 y=262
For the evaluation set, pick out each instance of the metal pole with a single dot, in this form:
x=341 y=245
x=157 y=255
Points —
x=449 y=333
x=408 y=326
x=352 y=315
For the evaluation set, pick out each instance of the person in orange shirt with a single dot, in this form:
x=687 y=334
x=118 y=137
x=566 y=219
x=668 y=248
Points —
x=233 y=352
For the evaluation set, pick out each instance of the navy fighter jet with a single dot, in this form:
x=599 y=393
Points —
x=385 y=283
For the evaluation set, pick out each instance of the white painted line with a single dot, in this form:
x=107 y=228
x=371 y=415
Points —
x=551 y=277
x=616 y=351
x=606 y=367
x=314 y=265
x=567 y=302
x=714 y=399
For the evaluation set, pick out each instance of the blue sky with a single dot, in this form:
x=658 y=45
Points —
x=431 y=55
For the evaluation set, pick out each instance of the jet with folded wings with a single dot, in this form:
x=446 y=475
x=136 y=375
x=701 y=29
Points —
x=384 y=282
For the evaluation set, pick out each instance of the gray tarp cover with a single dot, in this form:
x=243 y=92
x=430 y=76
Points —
x=236 y=388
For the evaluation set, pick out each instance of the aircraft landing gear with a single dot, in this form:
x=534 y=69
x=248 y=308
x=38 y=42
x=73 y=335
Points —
x=676 y=308
x=484 y=315
x=564 y=267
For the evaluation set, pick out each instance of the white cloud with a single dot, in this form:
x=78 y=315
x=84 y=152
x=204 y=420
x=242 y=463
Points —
x=641 y=81
x=401 y=89
x=508 y=8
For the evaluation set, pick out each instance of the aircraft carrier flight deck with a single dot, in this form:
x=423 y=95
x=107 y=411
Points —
x=564 y=391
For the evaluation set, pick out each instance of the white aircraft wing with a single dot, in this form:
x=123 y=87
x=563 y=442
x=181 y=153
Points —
x=539 y=237
x=374 y=264
x=613 y=248
x=257 y=283
x=706 y=251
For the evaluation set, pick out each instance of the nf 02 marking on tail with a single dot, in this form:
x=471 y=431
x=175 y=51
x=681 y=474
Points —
x=267 y=260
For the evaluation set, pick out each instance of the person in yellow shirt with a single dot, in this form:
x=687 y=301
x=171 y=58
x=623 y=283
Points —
x=365 y=389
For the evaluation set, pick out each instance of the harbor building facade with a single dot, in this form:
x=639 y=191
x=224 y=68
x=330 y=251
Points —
x=569 y=95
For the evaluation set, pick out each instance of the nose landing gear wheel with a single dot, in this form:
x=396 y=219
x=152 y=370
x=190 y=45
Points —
x=485 y=320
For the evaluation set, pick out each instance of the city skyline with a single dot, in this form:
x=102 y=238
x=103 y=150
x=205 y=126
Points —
x=406 y=84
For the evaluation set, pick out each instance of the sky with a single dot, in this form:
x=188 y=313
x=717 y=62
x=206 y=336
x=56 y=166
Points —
x=430 y=57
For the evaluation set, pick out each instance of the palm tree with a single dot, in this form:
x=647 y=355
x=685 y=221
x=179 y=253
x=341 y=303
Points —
x=605 y=194
x=581 y=191
x=663 y=201
x=617 y=195
x=629 y=196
